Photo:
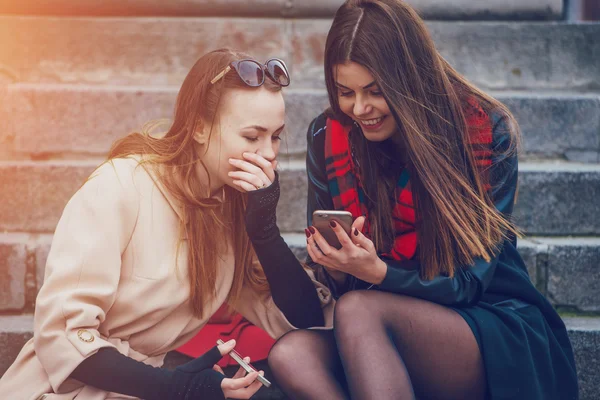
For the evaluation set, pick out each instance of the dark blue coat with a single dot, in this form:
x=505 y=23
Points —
x=524 y=343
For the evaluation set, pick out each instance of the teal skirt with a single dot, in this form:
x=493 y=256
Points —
x=524 y=357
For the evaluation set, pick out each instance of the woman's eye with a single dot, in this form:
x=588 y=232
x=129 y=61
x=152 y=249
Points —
x=277 y=137
x=251 y=139
x=345 y=94
x=376 y=93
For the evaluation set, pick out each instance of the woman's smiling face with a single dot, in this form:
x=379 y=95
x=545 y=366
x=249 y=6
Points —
x=360 y=98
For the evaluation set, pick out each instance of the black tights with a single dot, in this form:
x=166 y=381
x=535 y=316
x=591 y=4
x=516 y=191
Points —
x=384 y=346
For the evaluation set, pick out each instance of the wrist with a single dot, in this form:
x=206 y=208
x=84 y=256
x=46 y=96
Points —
x=261 y=211
x=379 y=272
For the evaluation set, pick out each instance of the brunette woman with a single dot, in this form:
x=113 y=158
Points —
x=434 y=299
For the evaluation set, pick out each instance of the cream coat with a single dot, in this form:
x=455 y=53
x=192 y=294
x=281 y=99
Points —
x=111 y=281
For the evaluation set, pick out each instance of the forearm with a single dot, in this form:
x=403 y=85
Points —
x=112 y=371
x=291 y=287
x=463 y=289
x=293 y=291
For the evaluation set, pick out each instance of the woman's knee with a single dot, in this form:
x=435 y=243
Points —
x=357 y=305
x=352 y=304
x=295 y=347
x=283 y=350
x=361 y=311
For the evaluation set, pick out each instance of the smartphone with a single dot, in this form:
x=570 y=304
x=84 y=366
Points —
x=247 y=367
x=321 y=219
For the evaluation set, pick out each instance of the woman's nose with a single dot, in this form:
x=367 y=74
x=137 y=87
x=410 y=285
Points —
x=361 y=107
x=267 y=152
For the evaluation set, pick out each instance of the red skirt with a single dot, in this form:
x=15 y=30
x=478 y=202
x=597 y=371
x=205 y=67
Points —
x=251 y=340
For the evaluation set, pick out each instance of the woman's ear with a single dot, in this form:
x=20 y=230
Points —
x=201 y=134
x=200 y=137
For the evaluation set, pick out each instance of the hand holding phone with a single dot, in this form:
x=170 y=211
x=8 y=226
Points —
x=246 y=366
x=322 y=218
x=358 y=257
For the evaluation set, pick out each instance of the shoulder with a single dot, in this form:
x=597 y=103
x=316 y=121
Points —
x=118 y=180
x=317 y=127
x=116 y=168
x=504 y=132
x=120 y=173
x=315 y=136
x=494 y=126
x=318 y=130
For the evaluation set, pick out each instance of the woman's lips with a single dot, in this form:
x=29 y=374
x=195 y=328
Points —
x=372 y=124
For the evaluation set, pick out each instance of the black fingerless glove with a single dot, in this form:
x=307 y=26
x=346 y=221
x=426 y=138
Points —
x=112 y=371
x=261 y=218
x=196 y=379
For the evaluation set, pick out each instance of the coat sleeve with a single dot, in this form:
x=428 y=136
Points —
x=469 y=282
x=83 y=270
x=264 y=313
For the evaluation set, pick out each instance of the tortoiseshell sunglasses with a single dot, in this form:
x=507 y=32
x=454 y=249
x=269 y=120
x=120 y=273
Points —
x=253 y=73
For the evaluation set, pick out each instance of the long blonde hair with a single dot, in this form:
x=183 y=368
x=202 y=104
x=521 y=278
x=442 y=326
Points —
x=211 y=224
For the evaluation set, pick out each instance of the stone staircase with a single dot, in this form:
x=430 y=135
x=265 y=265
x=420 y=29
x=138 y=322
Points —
x=75 y=76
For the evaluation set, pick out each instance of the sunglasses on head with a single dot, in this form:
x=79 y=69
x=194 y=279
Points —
x=253 y=73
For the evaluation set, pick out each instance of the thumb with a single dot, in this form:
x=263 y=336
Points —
x=226 y=347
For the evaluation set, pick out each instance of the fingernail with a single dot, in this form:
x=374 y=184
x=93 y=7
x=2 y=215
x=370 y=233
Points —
x=311 y=229
x=231 y=341
x=307 y=232
x=355 y=232
x=332 y=224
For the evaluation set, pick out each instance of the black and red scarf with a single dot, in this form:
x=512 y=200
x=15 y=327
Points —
x=348 y=194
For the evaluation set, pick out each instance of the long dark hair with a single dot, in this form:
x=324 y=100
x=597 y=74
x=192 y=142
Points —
x=429 y=100
x=210 y=225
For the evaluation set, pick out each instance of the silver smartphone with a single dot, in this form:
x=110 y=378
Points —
x=247 y=367
x=322 y=218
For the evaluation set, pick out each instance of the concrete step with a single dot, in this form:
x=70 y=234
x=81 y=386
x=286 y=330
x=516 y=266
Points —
x=432 y=9
x=494 y=55
x=41 y=119
x=583 y=332
x=585 y=339
x=555 y=198
x=558 y=198
x=565 y=269
x=160 y=51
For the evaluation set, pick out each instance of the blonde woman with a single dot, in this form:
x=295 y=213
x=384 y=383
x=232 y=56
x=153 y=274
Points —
x=162 y=235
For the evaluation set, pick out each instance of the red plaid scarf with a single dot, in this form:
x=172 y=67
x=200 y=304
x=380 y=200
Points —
x=348 y=194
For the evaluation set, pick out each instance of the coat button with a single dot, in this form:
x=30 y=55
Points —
x=85 y=335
